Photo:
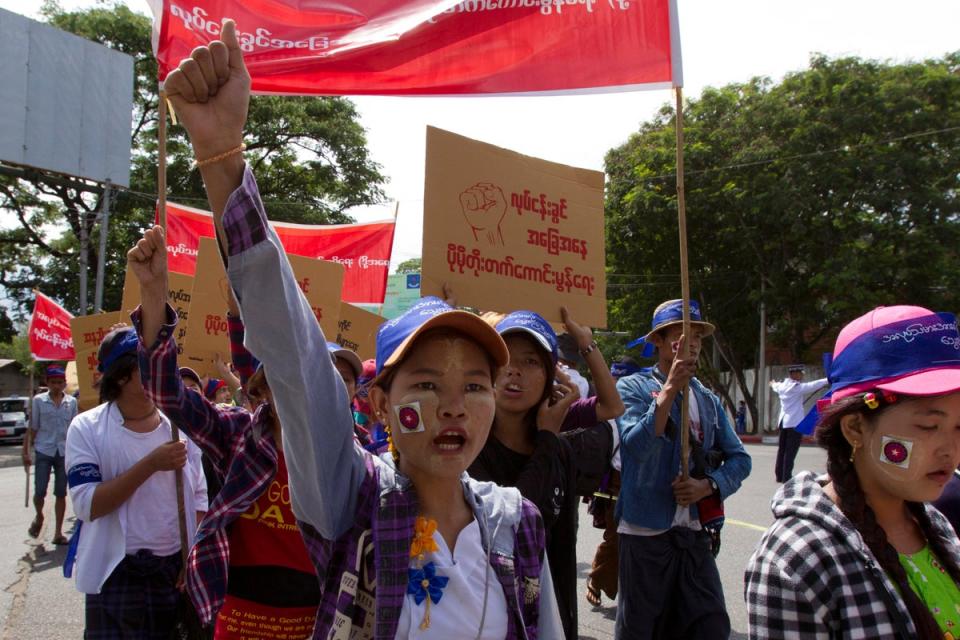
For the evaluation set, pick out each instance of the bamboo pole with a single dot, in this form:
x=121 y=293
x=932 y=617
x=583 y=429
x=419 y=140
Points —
x=162 y=215
x=685 y=291
x=162 y=162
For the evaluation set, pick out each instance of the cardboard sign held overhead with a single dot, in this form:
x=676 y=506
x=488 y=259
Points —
x=180 y=287
x=88 y=332
x=207 y=335
x=511 y=232
x=357 y=330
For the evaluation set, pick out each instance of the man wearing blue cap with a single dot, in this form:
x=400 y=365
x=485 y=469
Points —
x=51 y=414
x=669 y=583
x=792 y=392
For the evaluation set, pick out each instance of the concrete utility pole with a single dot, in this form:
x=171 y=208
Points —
x=762 y=364
x=102 y=255
x=84 y=247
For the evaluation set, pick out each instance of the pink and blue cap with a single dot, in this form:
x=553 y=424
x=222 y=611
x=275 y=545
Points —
x=901 y=349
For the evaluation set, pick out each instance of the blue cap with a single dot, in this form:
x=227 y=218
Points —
x=115 y=345
x=395 y=337
x=534 y=325
x=55 y=371
x=338 y=351
x=666 y=314
x=623 y=367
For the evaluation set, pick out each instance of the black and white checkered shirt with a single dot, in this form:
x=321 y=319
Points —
x=812 y=575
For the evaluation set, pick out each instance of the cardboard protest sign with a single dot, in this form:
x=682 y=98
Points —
x=510 y=232
x=87 y=333
x=179 y=289
x=207 y=335
x=322 y=283
x=357 y=330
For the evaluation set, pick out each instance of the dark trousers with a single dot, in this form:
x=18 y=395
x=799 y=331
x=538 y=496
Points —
x=604 y=570
x=787 y=453
x=137 y=602
x=670 y=588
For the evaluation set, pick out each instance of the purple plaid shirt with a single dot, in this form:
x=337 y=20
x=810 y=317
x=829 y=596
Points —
x=243 y=361
x=365 y=569
x=239 y=444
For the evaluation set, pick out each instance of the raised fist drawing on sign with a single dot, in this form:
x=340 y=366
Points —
x=484 y=207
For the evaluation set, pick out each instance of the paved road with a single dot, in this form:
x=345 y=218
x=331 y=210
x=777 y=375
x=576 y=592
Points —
x=37 y=603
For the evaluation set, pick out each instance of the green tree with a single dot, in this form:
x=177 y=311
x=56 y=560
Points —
x=827 y=194
x=18 y=348
x=309 y=155
x=409 y=266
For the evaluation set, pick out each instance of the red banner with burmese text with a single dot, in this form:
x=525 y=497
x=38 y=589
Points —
x=363 y=249
x=50 y=337
x=434 y=47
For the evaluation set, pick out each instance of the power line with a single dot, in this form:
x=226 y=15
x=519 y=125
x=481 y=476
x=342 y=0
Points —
x=739 y=165
x=812 y=154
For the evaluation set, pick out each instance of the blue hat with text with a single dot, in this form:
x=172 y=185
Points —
x=395 y=337
x=668 y=314
x=534 y=325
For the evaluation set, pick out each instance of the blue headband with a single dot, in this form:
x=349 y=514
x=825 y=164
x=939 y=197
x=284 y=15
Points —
x=897 y=349
x=667 y=313
x=621 y=369
x=125 y=343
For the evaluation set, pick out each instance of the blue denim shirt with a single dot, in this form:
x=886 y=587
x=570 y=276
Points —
x=50 y=422
x=651 y=462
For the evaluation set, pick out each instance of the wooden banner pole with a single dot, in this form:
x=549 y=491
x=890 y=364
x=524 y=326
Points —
x=162 y=162
x=685 y=291
x=162 y=215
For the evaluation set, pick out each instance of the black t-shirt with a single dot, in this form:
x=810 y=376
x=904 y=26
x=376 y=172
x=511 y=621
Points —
x=547 y=478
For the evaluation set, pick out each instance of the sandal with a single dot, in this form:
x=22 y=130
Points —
x=60 y=541
x=593 y=595
x=35 y=527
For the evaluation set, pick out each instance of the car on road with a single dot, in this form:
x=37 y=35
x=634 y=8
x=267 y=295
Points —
x=13 y=418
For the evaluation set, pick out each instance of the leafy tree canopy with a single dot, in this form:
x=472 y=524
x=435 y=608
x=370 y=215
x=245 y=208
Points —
x=309 y=155
x=837 y=189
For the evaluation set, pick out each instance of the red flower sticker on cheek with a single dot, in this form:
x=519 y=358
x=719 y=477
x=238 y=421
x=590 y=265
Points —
x=896 y=452
x=409 y=417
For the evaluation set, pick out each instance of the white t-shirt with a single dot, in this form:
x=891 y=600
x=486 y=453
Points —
x=460 y=610
x=792 y=394
x=152 y=509
x=681 y=517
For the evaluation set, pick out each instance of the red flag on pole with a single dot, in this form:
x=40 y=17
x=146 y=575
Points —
x=49 y=330
x=363 y=249
x=434 y=47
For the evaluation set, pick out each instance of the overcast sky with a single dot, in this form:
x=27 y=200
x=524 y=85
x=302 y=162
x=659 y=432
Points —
x=722 y=42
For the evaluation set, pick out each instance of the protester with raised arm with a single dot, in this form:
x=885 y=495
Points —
x=535 y=402
x=381 y=531
x=249 y=560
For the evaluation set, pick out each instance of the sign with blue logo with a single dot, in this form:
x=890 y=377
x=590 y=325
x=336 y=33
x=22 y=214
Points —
x=403 y=290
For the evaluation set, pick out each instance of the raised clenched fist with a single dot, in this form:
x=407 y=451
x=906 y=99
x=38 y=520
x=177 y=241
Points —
x=484 y=206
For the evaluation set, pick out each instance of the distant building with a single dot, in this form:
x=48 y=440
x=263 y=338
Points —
x=13 y=382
